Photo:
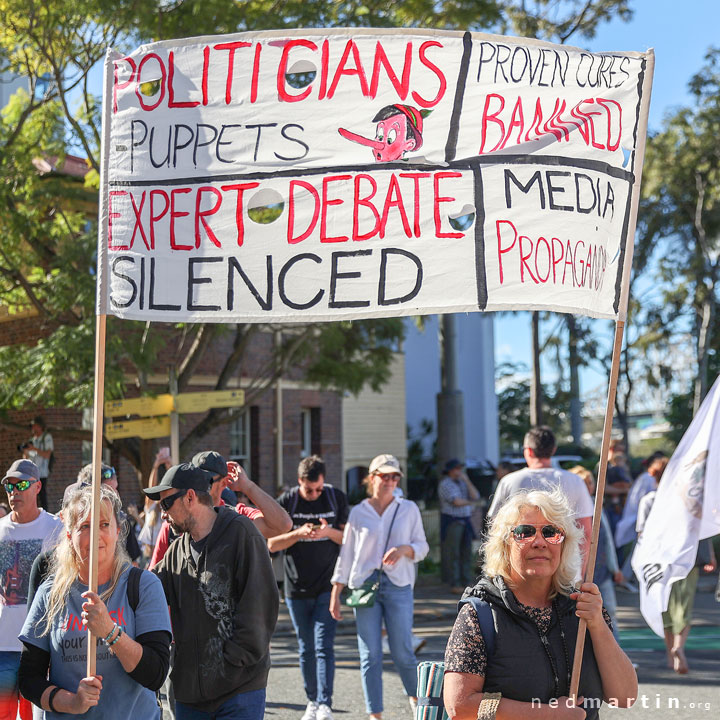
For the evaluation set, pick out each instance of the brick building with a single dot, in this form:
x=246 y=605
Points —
x=311 y=423
x=289 y=420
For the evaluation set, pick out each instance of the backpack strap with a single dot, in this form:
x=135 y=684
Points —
x=133 y=587
x=487 y=622
x=332 y=499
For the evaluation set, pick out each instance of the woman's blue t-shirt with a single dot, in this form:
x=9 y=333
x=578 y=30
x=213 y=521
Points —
x=121 y=696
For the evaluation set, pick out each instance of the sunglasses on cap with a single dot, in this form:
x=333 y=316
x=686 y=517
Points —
x=167 y=503
x=20 y=485
x=523 y=534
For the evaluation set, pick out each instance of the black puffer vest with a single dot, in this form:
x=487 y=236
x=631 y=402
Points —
x=519 y=667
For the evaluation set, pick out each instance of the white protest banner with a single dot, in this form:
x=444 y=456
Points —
x=686 y=510
x=316 y=175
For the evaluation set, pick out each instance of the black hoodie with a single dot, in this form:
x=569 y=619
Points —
x=519 y=667
x=223 y=611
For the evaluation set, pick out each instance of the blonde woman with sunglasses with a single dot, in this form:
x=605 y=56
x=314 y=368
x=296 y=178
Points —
x=511 y=649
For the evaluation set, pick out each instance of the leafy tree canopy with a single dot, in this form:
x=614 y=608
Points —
x=47 y=215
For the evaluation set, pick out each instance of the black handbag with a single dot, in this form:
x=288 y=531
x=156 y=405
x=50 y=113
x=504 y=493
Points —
x=364 y=596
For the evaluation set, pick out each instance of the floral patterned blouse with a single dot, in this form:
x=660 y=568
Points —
x=465 y=652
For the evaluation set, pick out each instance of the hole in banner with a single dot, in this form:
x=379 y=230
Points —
x=150 y=87
x=463 y=219
x=301 y=74
x=266 y=206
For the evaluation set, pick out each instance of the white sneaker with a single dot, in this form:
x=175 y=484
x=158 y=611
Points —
x=324 y=712
x=413 y=704
x=311 y=711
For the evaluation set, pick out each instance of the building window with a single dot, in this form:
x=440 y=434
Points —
x=310 y=438
x=305 y=432
x=240 y=431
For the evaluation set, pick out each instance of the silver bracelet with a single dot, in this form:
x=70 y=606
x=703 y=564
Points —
x=489 y=706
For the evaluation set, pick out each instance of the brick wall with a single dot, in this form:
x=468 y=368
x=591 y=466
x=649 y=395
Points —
x=330 y=406
x=22 y=330
x=68 y=454
x=69 y=457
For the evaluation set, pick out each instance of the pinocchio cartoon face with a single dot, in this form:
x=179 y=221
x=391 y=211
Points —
x=398 y=130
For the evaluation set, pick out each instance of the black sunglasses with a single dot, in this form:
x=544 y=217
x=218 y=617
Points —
x=167 y=503
x=523 y=534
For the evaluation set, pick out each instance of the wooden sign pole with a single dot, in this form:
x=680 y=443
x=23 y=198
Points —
x=96 y=479
x=637 y=168
x=599 y=497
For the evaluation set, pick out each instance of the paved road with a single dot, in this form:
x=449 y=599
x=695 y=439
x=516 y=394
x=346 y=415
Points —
x=663 y=694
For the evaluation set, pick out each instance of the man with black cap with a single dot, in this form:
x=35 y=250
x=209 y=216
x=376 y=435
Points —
x=221 y=589
x=24 y=533
x=269 y=518
x=458 y=496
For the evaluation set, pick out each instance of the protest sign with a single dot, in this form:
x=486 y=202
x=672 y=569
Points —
x=317 y=175
x=320 y=175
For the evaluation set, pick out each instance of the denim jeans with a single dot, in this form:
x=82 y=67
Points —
x=315 y=630
x=243 y=706
x=10 y=699
x=457 y=553
x=395 y=605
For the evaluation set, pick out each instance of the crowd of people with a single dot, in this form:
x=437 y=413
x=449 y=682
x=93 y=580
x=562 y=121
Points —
x=187 y=597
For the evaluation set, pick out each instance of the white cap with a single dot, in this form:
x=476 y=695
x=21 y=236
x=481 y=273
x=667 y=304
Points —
x=384 y=464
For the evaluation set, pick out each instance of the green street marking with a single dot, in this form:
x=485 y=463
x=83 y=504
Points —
x=700 y=638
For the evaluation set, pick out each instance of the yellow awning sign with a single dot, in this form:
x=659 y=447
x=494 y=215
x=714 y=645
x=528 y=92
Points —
x=202 y=401
x=145 y=406
x=146 y=428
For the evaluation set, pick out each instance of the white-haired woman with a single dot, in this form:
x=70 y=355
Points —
x=511 y=649
x=133 y=627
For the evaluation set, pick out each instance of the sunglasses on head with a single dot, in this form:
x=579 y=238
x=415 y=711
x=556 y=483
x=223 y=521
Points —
x=20 y=485
x=167 y=503
x=523 y=534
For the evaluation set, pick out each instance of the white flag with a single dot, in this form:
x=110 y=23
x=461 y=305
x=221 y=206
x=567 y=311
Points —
x=686 y=510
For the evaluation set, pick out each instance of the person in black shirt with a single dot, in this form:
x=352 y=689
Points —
x=319 y=513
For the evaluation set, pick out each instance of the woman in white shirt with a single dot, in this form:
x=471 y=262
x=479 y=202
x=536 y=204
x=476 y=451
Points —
x=383 y=537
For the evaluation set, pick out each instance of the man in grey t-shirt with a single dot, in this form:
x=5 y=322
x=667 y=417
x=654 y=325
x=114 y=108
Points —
x=538 y=448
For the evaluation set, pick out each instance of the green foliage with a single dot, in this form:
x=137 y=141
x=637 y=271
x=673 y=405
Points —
x=680 y=214
x=47 y=217
x=158 y=19
x=559 y=21
x=514 y=407
x=419 y=464
x=350 y=355
x=679 y=415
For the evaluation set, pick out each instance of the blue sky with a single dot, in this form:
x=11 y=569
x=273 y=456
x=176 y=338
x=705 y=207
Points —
x=681 y=34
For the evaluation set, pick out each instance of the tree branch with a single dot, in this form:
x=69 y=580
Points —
x=205 y=334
